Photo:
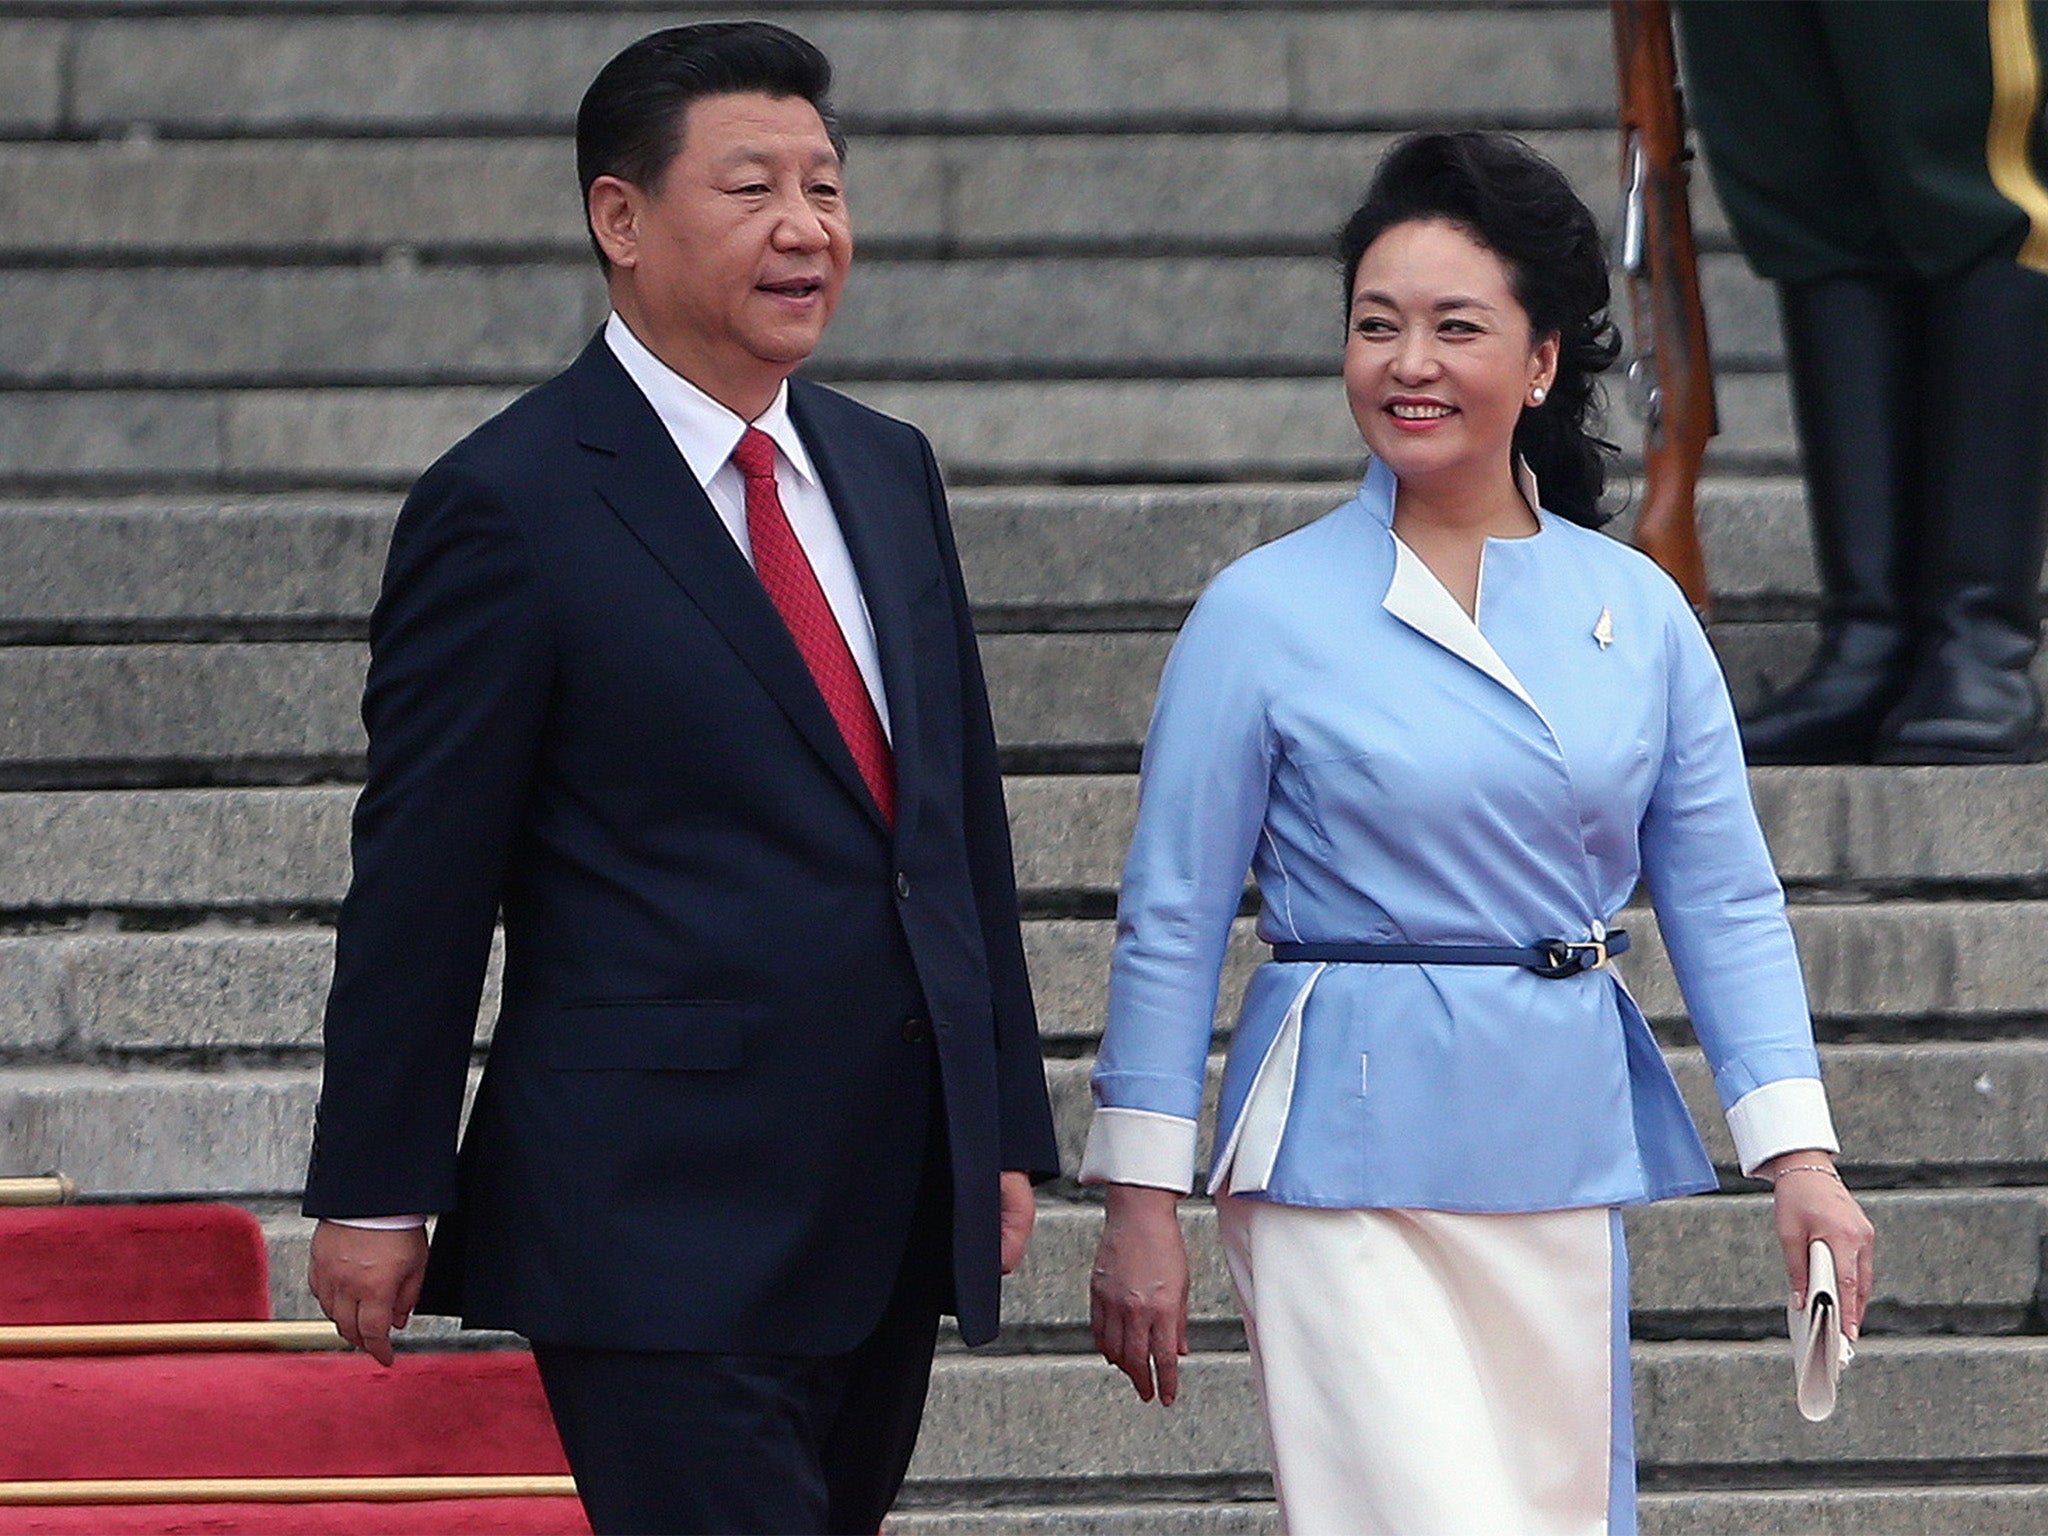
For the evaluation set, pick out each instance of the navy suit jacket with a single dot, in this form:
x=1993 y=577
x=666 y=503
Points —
x=704 y=1117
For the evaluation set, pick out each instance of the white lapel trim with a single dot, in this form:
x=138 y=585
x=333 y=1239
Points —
x=1425 y=605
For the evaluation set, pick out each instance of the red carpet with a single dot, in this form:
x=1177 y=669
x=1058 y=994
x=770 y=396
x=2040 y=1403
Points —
x=261 y=1415
x=241 y=1414
x=131 y=1264
x=442 y=1517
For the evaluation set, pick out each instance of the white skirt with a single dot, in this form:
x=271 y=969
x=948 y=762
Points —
x=1433 y=1373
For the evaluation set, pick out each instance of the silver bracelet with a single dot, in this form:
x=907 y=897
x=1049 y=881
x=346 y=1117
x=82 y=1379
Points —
x=1832 y=1173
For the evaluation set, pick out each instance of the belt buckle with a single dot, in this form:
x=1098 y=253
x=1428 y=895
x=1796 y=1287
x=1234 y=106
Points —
x=1568 y=957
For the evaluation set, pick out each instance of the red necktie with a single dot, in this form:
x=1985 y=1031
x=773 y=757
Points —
x=792 y=585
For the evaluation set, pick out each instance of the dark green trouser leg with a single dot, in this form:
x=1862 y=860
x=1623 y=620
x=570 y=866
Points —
x=1850 y=136
x=1850 y=345
x=1985 y=516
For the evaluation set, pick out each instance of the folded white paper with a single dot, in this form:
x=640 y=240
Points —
x=1819 y=1348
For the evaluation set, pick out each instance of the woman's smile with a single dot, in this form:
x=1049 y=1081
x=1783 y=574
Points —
x=1417 y=414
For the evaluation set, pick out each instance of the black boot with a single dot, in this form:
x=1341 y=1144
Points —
x=1985 y=456
x=1851 y=348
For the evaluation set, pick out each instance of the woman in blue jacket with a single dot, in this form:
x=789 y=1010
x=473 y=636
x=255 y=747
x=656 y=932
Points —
x=1448 y=728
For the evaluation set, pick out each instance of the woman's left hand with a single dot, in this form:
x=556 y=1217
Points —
x=1813 y=1204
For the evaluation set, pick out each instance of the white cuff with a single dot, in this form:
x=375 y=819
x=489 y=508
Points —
x=378 y=1223
x=1790 y=1115
x=1140 y=1146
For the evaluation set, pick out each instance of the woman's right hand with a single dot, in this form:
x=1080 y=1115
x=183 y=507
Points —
x=1138 y=1293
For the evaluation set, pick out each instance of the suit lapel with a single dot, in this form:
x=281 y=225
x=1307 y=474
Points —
x=872 y=526
x=643 y=479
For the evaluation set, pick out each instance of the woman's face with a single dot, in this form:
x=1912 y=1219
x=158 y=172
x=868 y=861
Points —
x=1439 y=362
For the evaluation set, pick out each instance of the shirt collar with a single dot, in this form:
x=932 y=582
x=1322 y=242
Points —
x=704 y=431
x=1376 y=491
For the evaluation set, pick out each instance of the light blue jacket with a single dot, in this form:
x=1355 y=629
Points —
x=1390 y=771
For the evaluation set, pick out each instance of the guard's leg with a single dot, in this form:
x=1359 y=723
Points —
x=1972 y=698
x=1850 y=348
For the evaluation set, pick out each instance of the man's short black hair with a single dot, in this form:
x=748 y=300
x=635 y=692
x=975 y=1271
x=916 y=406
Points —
x=631 y=122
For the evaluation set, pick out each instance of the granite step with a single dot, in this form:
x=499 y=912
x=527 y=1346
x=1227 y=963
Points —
x=120 y=199
x=162 y=1132
x=1073 y=431
x=1872 y=968
x=154 y=566
x=1950 y=1261
x=1890 y=969
x=137 y=196
x=391 y=323
x=153 y=714
x=166 y=715
x=211 y=988
x=1926 y=1405
x=1896 y=830
x=1037 y=557
x=968 y=68
x=1978 y=1510
x=80 y=716
x=401 y=323
x=1890 y=829
x=282 y=713
x=1067 y=702
x=1948 y=1114
x=32 y=75
x=1982 y=1510
x=221 y=850
x=1953 y=1113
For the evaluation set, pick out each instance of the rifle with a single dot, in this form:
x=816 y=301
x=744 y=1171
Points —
x=1672 y=375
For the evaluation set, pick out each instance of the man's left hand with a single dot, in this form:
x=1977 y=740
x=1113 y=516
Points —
x=1020 y=1210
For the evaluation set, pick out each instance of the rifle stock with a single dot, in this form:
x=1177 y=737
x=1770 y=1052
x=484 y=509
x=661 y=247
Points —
x=1661 y=269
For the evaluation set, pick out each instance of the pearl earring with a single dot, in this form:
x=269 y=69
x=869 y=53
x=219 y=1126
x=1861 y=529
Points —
x=1538 y=395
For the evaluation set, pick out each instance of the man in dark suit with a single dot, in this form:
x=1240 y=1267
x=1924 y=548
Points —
x=673 y=668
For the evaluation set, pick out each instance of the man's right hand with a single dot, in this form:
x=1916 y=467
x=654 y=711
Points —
x=1138 y=1294
x=367 y=1281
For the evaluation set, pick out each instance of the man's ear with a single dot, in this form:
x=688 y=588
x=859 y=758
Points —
x=614 y=211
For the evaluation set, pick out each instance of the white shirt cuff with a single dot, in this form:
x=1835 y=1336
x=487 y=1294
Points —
x=1140 y=1146
x=1790 y=1115
x=379 y=1223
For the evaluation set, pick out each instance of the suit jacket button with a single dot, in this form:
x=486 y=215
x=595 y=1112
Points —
x=915 y=1030
x=902 y=886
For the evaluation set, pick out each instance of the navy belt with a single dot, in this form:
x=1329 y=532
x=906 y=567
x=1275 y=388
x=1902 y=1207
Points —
x=1553 y=958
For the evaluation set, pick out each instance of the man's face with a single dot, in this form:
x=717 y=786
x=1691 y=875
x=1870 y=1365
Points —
x=731 y=266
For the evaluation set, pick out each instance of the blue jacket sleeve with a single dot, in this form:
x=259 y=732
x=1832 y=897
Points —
x=1202 y=801
x=1722 y=912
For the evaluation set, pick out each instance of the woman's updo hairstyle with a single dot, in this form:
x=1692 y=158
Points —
x=1519 y=206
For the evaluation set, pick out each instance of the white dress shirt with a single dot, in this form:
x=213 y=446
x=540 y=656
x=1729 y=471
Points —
x=705 y=433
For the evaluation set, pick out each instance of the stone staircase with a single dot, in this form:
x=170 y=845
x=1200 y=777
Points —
x=259 y=262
